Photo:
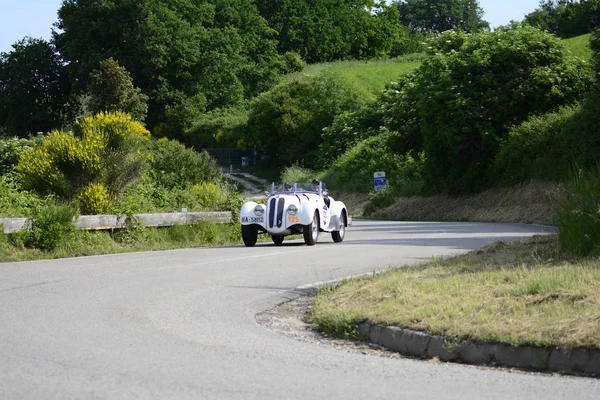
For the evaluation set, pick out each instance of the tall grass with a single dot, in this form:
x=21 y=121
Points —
x=578 y=213
x=579 y=46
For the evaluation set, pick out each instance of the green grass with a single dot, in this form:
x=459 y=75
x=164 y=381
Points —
x=520 y=293
x=579 y=46
x=87 y=243
x=369 y=77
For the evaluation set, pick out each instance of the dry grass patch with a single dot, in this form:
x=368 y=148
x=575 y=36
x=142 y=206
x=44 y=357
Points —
x=519 y=293
x=526 y=203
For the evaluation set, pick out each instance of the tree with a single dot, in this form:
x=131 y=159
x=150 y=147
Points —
x=110 y=88
x=566 y=18
x=326 y=30
x=187 y=56
x=34 y=88
x=287 y=122
x=435 y=16
x=460 y=104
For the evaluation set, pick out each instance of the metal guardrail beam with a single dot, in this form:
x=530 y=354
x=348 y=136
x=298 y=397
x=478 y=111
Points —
x=105 y=222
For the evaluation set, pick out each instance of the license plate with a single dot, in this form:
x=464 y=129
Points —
x=253 y=220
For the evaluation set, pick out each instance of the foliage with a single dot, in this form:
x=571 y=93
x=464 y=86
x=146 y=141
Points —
x=186 y=56
x=566 y=18
x=346 y=130
x=15 y=202
x=426 y=16
x=12 y=148
x=464 y=98
x=102 y=149
x=353 y=172
x=110 y=88
x=327 y=30
x=541 y=148
x=34 y=88
x=293 y=62
x=94 y=199
x=218 y=128
x=52 y=225
x=578 y=215
x=286 y=122
x=172 y=165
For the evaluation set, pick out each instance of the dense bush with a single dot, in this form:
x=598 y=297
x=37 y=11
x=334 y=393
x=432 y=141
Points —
x=578 y=215
x=15 y=202
x=218 y=128
x=52 y=225
x=102 y=149
x=543 y=148
x=12 y=148
x=462 y=101
x=172 y=165
x=354 y=170
x=287 y=122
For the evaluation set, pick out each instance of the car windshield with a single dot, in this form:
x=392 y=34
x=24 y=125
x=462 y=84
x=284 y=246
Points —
x=293 y=187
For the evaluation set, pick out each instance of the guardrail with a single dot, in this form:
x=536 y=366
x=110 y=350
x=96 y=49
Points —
x=106 y=222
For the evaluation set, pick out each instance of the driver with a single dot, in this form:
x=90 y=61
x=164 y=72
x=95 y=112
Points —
x=287 y=187
x=316 y=184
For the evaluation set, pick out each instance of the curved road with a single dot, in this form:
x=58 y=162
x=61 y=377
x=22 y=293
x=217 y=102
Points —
x=181 y=325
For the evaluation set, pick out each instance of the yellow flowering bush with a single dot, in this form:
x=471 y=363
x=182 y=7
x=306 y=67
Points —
x=94 y=199
x=209 y=195
x=94 y=162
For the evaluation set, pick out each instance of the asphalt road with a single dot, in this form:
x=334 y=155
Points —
x=182 y=325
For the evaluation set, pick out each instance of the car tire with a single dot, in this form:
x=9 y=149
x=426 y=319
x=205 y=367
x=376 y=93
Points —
x=338 y=236
x=277 y=239
x=311 y=231
x=249 y=235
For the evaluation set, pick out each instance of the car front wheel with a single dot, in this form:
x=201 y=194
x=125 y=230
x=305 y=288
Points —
x=311 y=231
x=338 y=236
x=249 y=235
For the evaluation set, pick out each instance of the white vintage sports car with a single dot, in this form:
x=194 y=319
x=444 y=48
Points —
x=294 y=208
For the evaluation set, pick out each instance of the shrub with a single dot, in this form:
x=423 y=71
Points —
x=110 y=88
x=172 y=165
x=209 y=195
x=462 y=101
x=293 y=62
x=51 y=227
x=540 y=148
x=353 y=172
x=287 y=122
x=578 y=213
x=94 y=199
x=102 y=149
x=15 y=202
x=12 y=148
x=218 y=128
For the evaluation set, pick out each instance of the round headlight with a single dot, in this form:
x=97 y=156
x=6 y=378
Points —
x=292 y=210
x=259 y=211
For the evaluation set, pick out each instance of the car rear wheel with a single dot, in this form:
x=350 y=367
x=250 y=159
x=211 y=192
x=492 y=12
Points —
x=277 y=239
x=338 y=236
x=311 y=231
x=249 y=235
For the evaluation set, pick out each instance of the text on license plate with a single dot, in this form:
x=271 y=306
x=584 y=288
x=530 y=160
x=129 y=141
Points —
x=253 y=219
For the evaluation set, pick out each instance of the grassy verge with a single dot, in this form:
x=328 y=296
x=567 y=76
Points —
x=87 y=243
x=520 y=293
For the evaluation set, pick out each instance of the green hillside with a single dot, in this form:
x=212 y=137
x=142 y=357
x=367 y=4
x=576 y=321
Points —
x=370 y=77
x=579 y=46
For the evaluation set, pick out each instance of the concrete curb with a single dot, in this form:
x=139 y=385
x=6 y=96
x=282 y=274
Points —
x=422 y=345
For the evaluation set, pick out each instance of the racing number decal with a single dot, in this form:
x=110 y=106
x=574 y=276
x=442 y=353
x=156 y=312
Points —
x=293 y=219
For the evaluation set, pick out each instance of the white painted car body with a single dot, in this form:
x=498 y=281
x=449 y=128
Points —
x=296 y=208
